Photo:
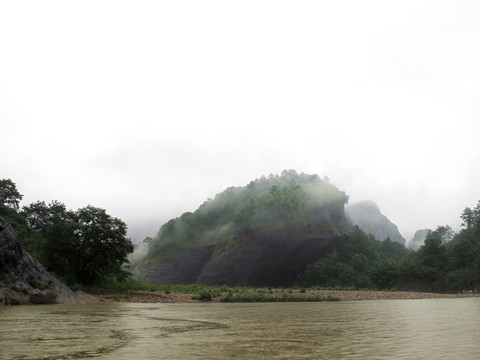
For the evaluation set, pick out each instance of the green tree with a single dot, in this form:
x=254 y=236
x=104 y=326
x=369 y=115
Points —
x=88 y=245
x=463 y=252
x=359 y=262
x=393 y=249
x=84 y=245
x=9 y=195
x=471 y=218
x=385 y=274
x=100 y=245
x=345 y=275
x=40 y=216
x=61 y=248
x=9 y=204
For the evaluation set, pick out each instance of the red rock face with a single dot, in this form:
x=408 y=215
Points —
x=22 y=279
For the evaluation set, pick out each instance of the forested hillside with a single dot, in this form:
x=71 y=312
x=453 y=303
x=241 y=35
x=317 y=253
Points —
x=257 y=230
x=265 y=203
x=264 y=233
x=446 y=262
x=281 y=230
x=284 y=230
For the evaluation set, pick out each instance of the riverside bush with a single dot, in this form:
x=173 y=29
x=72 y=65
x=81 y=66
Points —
x=203 y=295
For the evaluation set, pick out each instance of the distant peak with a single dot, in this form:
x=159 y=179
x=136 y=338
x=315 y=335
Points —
x=366 y=204
x=367 y=215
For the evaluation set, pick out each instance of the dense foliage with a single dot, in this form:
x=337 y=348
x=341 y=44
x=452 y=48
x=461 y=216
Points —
x=447 y=262
x=82 y=246
x=361 y=262
x=279 y=200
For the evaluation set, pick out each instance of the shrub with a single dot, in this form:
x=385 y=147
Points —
x=203 y=295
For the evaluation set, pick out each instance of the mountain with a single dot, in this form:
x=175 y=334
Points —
x=368 y=217
x=418 y=239
x=265 y=233
x=22 y=279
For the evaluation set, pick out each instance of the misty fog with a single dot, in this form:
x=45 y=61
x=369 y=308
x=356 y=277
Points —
x=147 y=110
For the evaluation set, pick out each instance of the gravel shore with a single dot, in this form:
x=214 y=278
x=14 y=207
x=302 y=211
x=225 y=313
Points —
x=346 y=295
x=342 y=295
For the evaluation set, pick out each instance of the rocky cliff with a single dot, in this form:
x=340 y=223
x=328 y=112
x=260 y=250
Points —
x=368 y=217
x=262 y=257
x=263 y=234
x=22 y=279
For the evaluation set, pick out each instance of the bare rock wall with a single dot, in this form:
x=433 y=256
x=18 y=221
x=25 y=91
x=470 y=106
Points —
x=22 y=279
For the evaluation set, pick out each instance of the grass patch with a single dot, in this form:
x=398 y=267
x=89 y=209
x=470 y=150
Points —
x=206 y=293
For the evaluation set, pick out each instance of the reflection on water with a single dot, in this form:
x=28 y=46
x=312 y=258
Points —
x=399 y=329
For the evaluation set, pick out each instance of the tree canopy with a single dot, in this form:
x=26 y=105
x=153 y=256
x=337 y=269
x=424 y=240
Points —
x=9 y=195
x=88 y=244
x=83 y=246
x=359 y=262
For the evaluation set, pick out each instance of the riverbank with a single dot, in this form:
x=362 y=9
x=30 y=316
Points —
x=134 y=296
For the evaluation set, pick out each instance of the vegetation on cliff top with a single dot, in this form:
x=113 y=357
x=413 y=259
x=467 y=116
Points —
x=267 y=202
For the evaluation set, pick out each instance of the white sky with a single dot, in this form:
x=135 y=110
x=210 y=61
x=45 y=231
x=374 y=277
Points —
x=147 y=108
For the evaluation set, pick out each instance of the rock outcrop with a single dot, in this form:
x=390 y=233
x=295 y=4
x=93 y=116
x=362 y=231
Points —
x=263 y=257
x=368 y=217
x=266 y=233
x=22 y=279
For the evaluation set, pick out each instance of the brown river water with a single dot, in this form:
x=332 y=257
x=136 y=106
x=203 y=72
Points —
x=384 y=329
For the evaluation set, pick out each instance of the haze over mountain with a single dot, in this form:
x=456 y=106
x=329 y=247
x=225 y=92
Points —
x=367 y=215
x=277 y=231
x=147 y=109
x=281 y=230
x=418 y=239
x=265 y=233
